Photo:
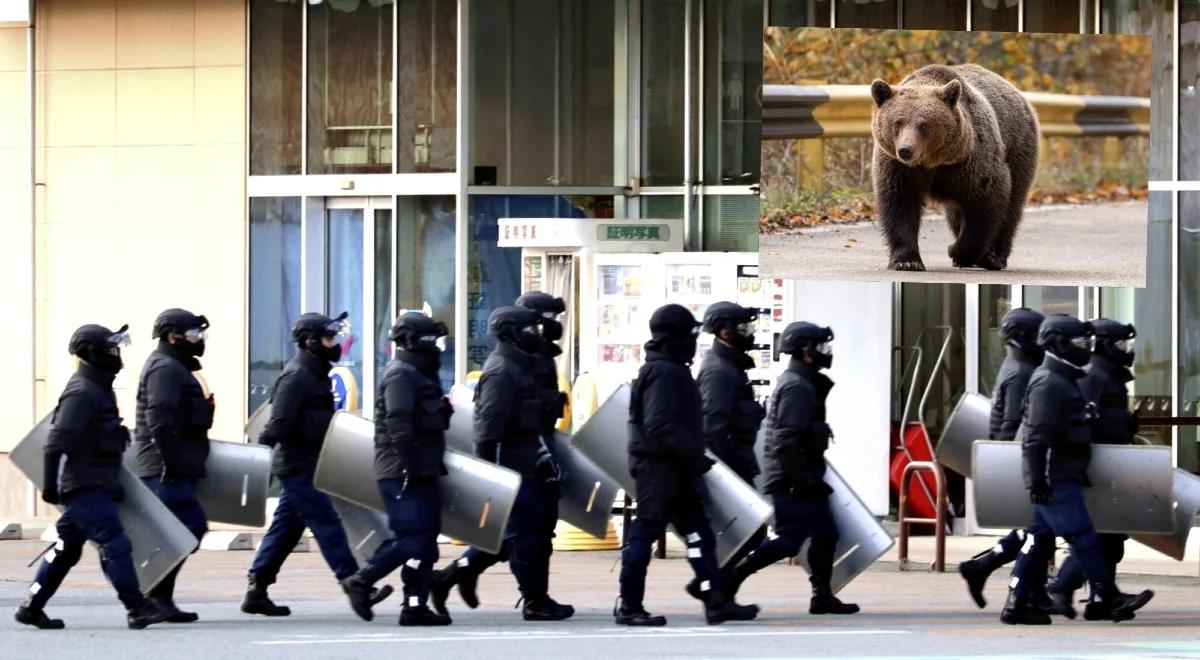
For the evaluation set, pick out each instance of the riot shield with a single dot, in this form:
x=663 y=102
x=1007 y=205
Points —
x=587 y=494
x=365 y=528
x=970 y=421
x=862 y=539
x=734 y=509
x=234 y=487
x=257 y=422
x=477 y=496
x=1131 y=488
x=159 y=540
x=1185 y=488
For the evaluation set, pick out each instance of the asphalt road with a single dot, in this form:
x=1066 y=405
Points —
x=1094 y=245
x=913 y=615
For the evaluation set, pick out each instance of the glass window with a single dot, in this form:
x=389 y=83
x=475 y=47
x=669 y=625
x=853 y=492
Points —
x=344 y=279
x=1149 y=309
x=662 y=92
x=494 y=277
x=274 y=303
x=998 y=15
x=1052 y=16
x=543 y=82
x=1189 y=327
x=731 y=223
x=350 y=87
x=1129 y=16
x=995 y=300
x=867 y=14
x=733 y=76
x=662 y=206
x=424 y=244
x=427 y=81
x=385 y=297
x=798 y=13
x=935 y=14
x=275 y=78
x=1052 y=299
x=927 y=312
x=1189 y=99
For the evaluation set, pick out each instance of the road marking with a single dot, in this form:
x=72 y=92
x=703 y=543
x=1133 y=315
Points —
x=471 y=637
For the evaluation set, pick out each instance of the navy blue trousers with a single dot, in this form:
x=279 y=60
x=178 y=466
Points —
x=1065 y=515
x=415 y=517
x=302 y=506
x=180 y=498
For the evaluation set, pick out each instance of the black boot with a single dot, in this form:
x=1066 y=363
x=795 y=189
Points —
x=636 y=615
x=36 y=617
x=976 y=571
x=719 y=609
x=1018 y=612
x=146 y=613
x=1123 y=606
x=1060 y=604
x=736 y=577
x=164 y=596
x=824 y=602
x=380 y=594
x=447 y=578
x=257 y=601
x=546 y=609
x=421 y=615
x=360 y=596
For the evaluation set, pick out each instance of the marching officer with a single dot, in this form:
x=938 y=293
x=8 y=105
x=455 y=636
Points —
x=1019 y=330
x=731 y=415
x=301 y=409
x=1104 y=383
x=81 y=470
x=797 y=438
x=667 y=461
x=1056 y=448
x=411 y=418
x=173 y=419
x=509 y=422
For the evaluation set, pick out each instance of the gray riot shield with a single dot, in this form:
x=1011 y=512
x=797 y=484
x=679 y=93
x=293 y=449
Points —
x=234 y=487
x=1131 y=488
x=365 y=528
x=734 y=509
x=159 y=540
x=970 y=421
x=862 y=539
x=1185 y=489
x=258 y=420
x=587 y=494
x=477 y=496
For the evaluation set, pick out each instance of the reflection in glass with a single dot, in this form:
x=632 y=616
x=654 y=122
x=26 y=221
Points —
x=1189 y=98
x=995 y=300
x=731 y=223
x=427 y=76
x=1052 y=299
x=935 y=14
x=344 y=259
x=1130 y=16
x=543 y=81
x=274 y=302
x=1052 y=16
x=662 y=92
x=927 y=312
x=997 y=15
x=350 y=87
x=798 y=13
x=275 y=78
x=424 y=254
x=1189 y=327
x=732 y=77
x=871 y=14
x=384 y=296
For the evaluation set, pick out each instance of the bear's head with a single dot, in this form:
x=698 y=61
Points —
x=919 y=125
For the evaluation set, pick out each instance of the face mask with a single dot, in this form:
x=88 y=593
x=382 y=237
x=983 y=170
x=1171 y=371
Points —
x=189 y=348
x=552 y=330
x=1077 y=351
x=330 y=354
x=740 y=341
x=822 y=360
x=427 y=348
x=105 y=361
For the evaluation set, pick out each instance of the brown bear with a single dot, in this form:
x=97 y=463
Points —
x=961 y=137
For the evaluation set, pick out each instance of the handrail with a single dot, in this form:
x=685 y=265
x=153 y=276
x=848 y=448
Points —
x=939 y=557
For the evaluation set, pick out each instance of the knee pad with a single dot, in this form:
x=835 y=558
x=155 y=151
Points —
x=65 y=553
x=116 y=548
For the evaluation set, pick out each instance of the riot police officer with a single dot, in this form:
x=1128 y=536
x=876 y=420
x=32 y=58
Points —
x=173 y=419
x=1056 y=447
x=797 y=438
x=667 y=461
x=1104 y=383
x=82 y=466
x=508 y=431
x=301 y=409
x=411 y=418
x=1019 y=330
x=731 y=415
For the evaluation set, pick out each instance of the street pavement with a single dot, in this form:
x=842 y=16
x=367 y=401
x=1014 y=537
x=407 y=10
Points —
x=1093 y=245
x=905 y=614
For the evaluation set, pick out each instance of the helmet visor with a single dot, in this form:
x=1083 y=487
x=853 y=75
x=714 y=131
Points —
x=1124 y=345
x=549 y=315
x=339 y=330
x=746 y=328
x=825 y=348
x=195 y=335
x=1086 y=343
x=119 y=339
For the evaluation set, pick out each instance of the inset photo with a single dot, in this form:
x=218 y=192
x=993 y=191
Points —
x=962 y=157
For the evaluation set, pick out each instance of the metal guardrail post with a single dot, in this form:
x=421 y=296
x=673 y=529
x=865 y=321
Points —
x=939 y=560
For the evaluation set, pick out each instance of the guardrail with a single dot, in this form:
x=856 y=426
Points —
x=811 y=113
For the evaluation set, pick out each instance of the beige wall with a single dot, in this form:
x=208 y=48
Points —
x=141 y=148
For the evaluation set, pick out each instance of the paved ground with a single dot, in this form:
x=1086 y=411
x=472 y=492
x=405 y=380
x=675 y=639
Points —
x=1096 y=245
x=904 y=615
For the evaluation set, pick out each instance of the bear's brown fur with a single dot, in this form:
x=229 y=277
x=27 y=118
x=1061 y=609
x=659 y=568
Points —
x=960 y=137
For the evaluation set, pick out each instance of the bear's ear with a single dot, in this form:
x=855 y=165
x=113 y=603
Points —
x=881 y=91
x=950 y=92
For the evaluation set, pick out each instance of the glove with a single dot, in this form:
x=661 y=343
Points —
x=703 y=465
x=50 y=495
x=50 y=478
x=548 y=469
x=447 y=411
x=1039 y=492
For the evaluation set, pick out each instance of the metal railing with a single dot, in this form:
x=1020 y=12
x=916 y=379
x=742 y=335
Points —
x=938 y=564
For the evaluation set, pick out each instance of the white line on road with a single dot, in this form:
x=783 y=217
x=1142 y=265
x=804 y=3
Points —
x=375 y=639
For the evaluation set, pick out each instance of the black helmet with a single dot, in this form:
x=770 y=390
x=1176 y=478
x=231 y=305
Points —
x=544 y=304
x=1019 y=327
x=316 y=326
x=99 y=346
x=414 y=330
x=727 y=315
x=177 y=321
x=1067 y=338
x=512 y=323
x=673 y=321
x=1114 y=340
x=802 y=336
